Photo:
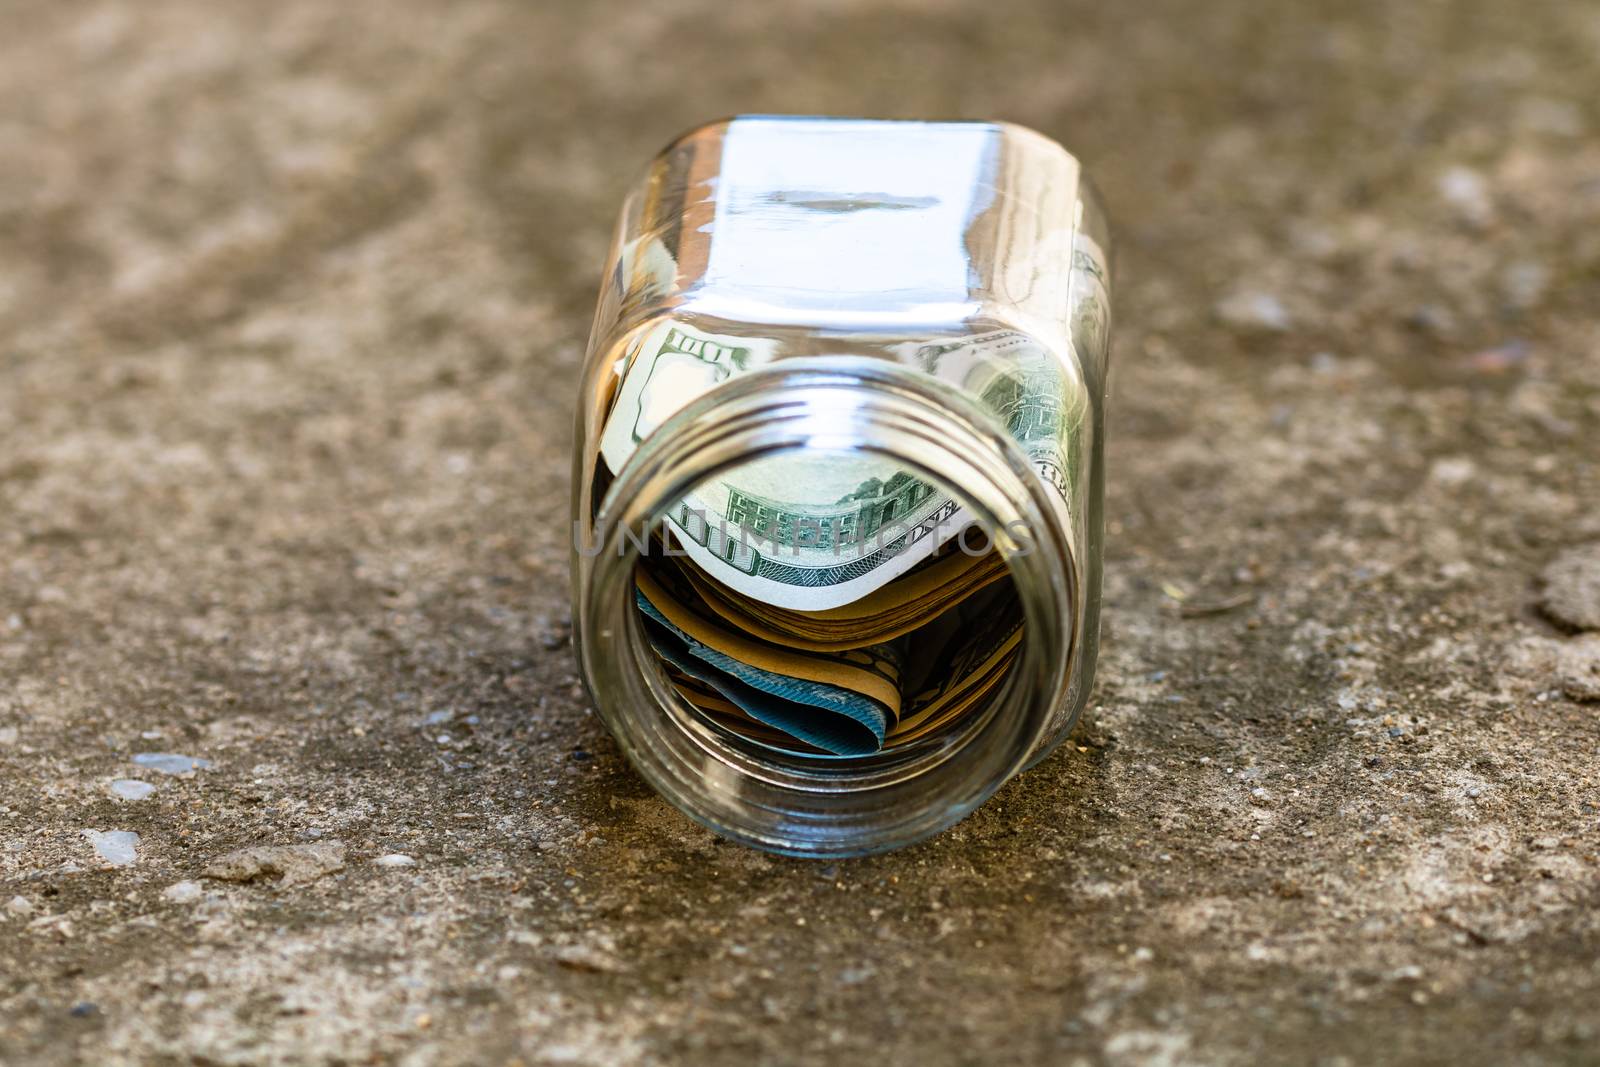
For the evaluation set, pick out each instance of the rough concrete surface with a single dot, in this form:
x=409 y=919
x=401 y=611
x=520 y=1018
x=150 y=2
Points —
x=292 y=297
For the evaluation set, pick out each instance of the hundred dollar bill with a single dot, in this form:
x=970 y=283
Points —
x=814 y=533
x=796 y=531
x=665 y=370
x=811 y=533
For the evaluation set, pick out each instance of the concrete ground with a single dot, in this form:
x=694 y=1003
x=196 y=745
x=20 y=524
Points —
x=292 y=298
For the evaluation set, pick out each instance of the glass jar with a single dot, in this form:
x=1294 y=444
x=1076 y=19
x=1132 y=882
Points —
x=817 y=293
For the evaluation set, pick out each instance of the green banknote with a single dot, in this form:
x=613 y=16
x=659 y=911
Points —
x=810 y=532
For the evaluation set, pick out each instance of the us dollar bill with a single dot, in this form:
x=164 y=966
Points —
x=813 y=532
x=967 y=654
x=841 y=702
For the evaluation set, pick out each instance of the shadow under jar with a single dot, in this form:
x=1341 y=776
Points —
x=838 y=473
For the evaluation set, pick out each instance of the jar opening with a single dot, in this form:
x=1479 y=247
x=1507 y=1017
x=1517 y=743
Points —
x=728 y=755
x=817 y=606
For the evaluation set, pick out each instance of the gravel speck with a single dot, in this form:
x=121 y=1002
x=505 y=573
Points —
x=588 y=958
x=290 y=864
x=116 y=847
x=182 y=892
x=1585 y=689
x=131 y=789
x=395 y=859
x=1465 y=190
x=1252 y=310
x=170 y=762
x=1523 y=283
x=1572 y=588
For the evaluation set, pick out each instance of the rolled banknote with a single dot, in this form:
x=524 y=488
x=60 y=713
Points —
x=892 y=611
x=823 y=704
x=831 y=719
x=872 y=670
x=730 y=716
x=972 y=665
x=811 y=533
x=845 y=703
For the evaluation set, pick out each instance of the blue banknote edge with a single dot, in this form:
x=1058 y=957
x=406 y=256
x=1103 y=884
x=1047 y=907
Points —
x=830 y=718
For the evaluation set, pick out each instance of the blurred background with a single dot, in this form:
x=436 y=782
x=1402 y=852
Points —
x=292 y=302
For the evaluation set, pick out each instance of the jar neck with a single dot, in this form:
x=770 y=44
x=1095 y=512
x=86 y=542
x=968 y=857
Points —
x=840 y=807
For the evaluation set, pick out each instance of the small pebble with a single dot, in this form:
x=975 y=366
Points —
x=1432 y=319
x=8 y=735
x=290 y=864
x=131 y=789
x=1584 y=690
x=1252 y=310
x=1523 y=283
x=19 y=906
x=553 y=633
x=587 y=958
x=170 y=762
x=1453 y=471
x=182 y=892
x=395 y=859
x=1465 y=190
x=1572 y=587
x=116 y=847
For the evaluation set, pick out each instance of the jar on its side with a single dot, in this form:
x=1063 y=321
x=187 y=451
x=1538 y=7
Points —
x=815 y=289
